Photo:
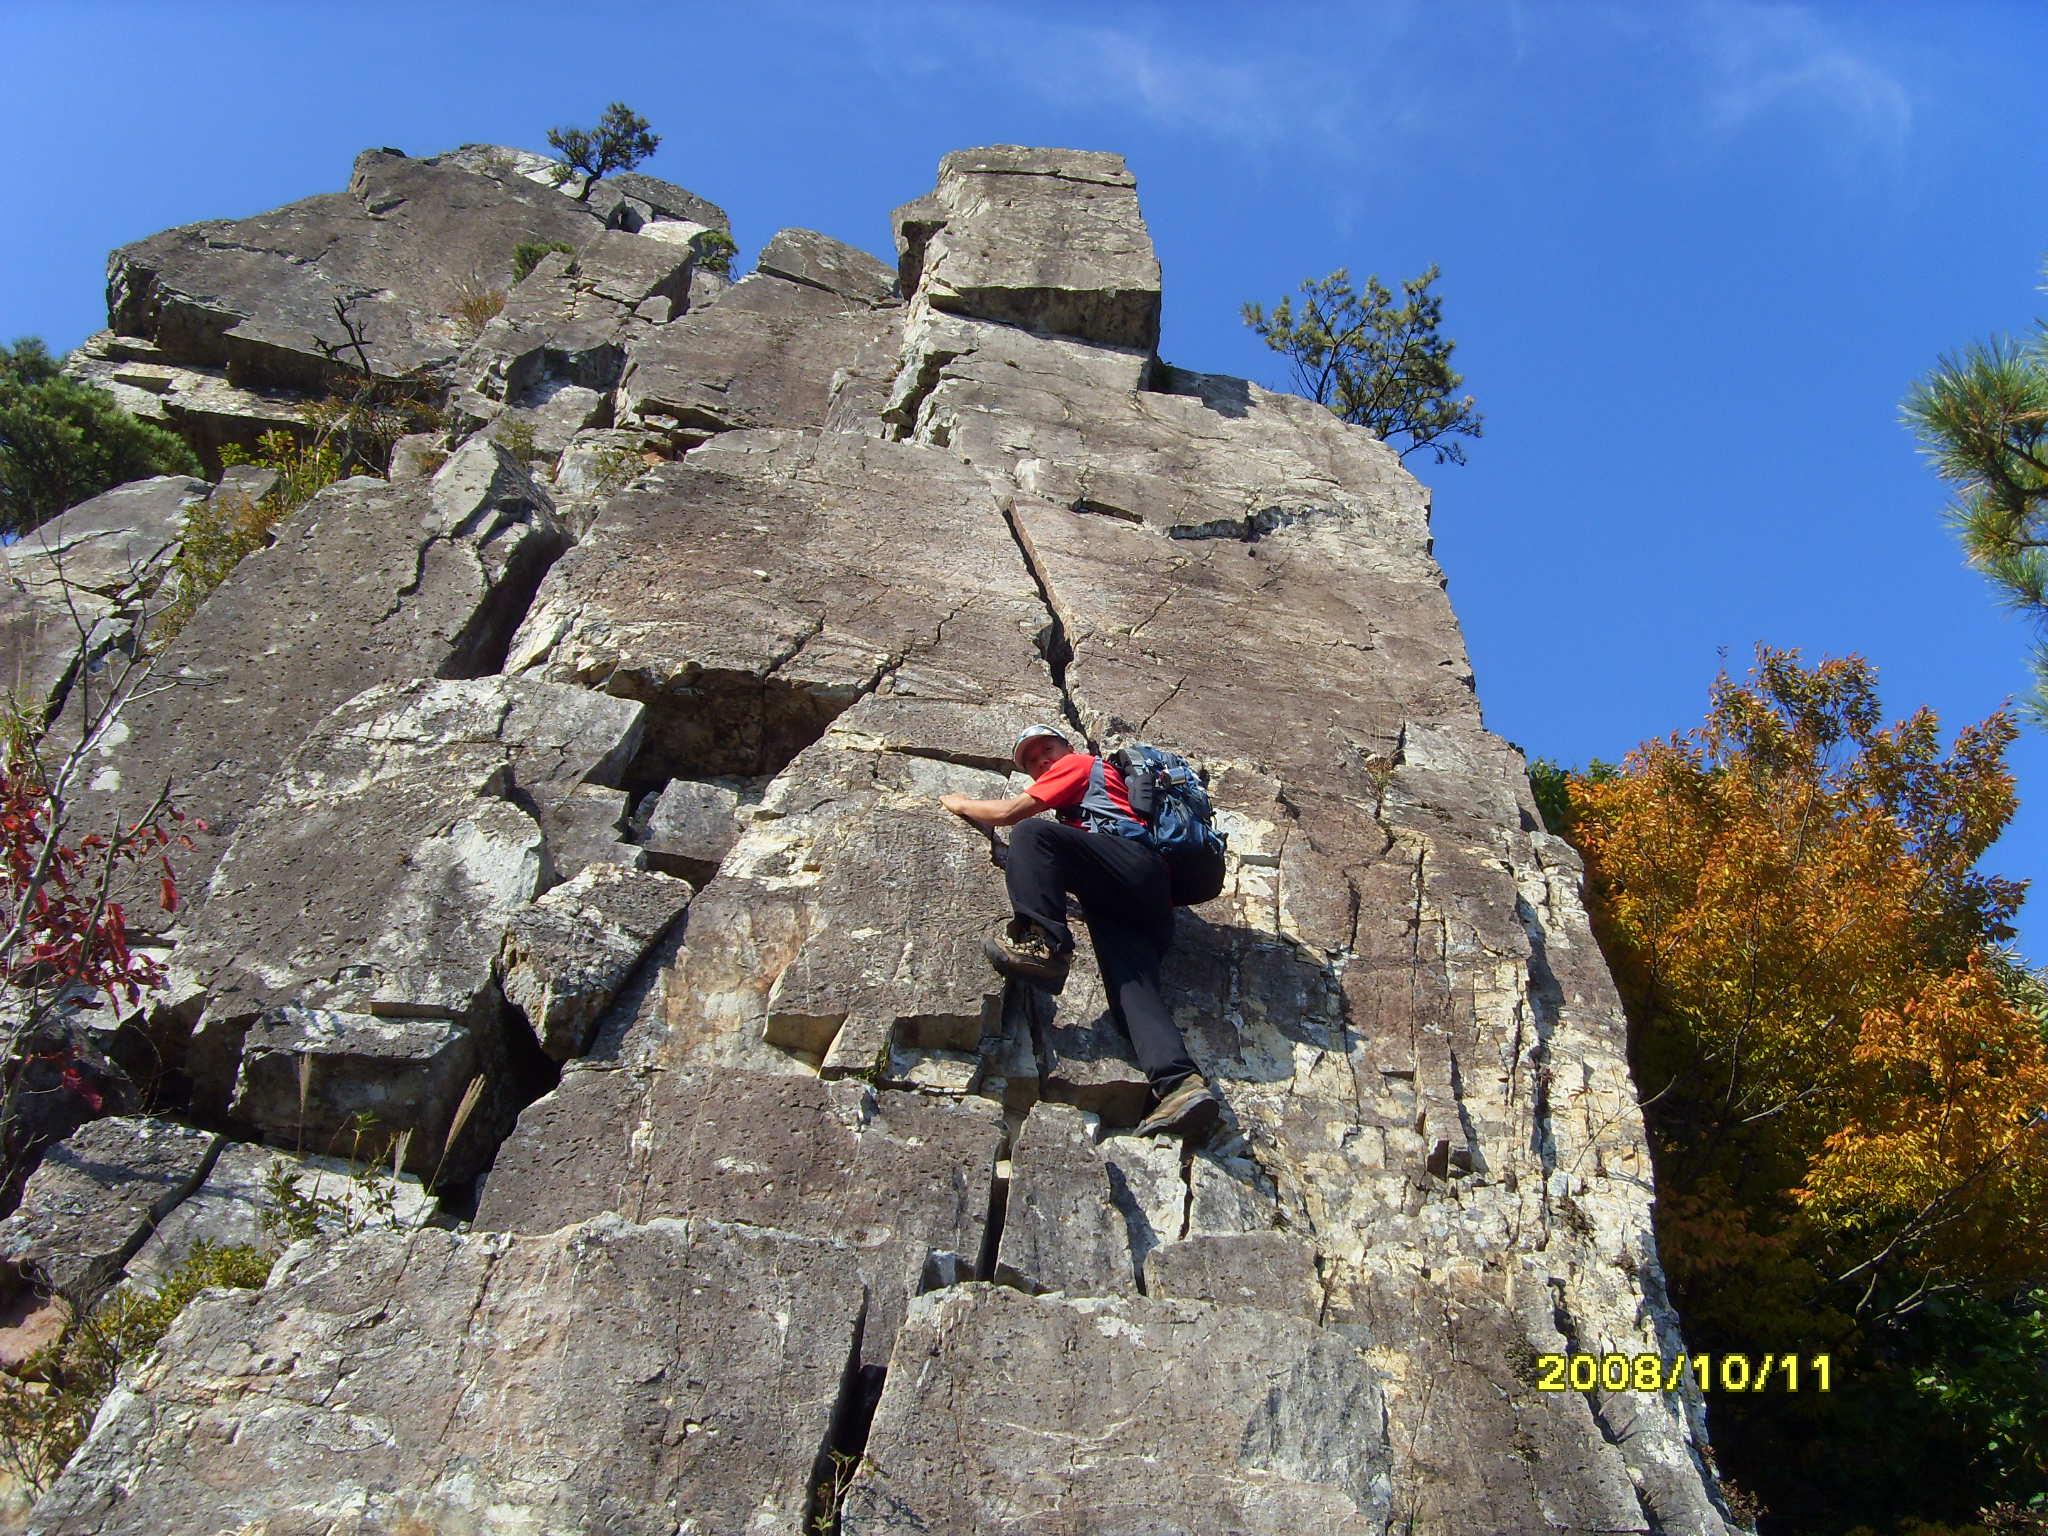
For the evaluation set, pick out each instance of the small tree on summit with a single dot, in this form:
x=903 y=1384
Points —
x=1377 y=365
x=620 y=141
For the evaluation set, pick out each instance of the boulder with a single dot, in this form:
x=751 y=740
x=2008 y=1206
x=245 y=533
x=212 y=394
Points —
x=1048 y=239
x=1175 y=1417
x=634 y=1379
x=567 y=954
x=96 y=1199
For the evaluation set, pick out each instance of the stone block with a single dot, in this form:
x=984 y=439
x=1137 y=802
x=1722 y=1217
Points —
x=1172 y=1417
x=1047 y=239
x=1062 y=1227
x=97 y=1197
x=896 y=1175
x=453 y=1383
x=805 y=256
x=690 y=827
x=567 y=954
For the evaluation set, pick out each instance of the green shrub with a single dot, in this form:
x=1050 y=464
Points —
x=219 y=532
x=715 y=250
x=62 y=441
x=48 y=1406
x=527 y=254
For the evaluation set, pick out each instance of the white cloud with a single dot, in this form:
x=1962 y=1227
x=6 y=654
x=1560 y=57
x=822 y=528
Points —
x=1234 y=81
x=1783 y=63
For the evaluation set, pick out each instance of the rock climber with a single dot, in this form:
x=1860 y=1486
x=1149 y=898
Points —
x=1125 y=898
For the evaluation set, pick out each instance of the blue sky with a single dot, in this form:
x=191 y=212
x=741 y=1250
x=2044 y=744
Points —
x=1693 y=253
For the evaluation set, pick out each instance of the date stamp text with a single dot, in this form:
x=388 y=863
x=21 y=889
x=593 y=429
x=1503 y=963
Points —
x=1712 y=1373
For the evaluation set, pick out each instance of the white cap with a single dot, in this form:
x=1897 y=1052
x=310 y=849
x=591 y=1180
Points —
x=1031 y=733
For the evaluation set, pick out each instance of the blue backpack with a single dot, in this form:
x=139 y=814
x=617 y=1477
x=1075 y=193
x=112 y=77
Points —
x=1168 y=795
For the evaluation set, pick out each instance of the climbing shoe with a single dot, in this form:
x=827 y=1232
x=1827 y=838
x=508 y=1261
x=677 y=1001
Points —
x=1190 y=1108
x=1019 y=947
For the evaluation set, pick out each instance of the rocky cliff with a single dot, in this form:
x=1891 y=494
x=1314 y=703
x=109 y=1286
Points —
x=574 y=795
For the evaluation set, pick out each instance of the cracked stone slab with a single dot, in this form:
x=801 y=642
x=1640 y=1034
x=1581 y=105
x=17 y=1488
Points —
x=445 y=1382
x=805 y=256
x=1048 y=239
x=382 y=873
x=896 y=1175
x=228 y=1208
x=75 y=585
x=1062 y=1230
x=366 y=583
x=754 y=590
x=1174 y=1417
x=258 y=294
x=763 y=353
x=567 y=954
x=97 y=1197
x=359 y=914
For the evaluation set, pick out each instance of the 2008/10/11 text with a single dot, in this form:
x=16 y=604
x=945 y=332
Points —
x=1653 y=1373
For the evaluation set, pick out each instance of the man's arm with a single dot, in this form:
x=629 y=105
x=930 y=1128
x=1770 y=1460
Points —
x=992 y=813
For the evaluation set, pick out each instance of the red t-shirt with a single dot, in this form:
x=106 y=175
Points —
x=1063 y=784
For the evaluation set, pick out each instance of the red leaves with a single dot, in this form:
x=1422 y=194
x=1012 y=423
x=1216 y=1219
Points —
x=54 y=896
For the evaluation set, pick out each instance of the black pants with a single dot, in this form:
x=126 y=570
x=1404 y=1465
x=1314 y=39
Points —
x=1124 y=888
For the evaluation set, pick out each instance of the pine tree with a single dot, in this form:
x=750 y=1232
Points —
x=620 y=141
x=1982 y=417
x=1380 y=366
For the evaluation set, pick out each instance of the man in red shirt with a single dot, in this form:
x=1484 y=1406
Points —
x=1094 y=848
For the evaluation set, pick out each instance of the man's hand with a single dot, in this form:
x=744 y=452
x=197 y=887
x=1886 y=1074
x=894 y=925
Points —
x=958 y=805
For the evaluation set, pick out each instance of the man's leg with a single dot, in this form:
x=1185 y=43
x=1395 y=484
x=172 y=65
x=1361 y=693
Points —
x=1033 y=870
x=1128 y=895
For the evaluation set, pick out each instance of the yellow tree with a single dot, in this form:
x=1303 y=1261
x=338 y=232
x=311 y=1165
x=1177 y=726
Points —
x=1848 y=1105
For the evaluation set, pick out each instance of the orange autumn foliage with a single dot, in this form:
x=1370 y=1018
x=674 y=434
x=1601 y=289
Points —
x=1832 y=1069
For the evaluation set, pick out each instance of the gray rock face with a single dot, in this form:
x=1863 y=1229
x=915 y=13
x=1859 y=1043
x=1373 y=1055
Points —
x=805 y=256
x=1049 y=239
x=1062 y=1229
x=894 y=536
x=196 y=400
x=1159 y=1416
x=765 y=354
x=435 y=1380
x=715 y=590
x=899 y=1176
x=366 y=583
x=76 y=587
x=354 y=926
